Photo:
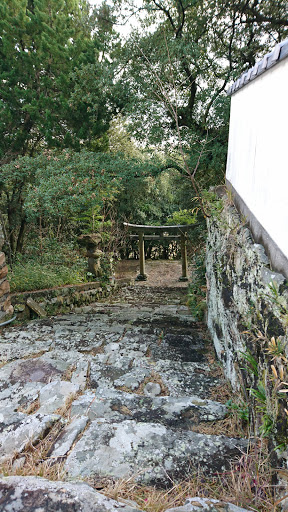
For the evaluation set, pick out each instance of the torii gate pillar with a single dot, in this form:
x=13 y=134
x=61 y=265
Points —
x=184 y=276
x=142 y=276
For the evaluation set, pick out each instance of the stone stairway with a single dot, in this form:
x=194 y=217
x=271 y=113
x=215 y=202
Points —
x=125 y=385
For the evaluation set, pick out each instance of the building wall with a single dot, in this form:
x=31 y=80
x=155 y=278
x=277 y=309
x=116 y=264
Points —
x=257 y=165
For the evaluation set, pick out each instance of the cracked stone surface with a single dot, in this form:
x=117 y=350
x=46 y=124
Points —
x=21 y=430
x=127 y=382
x=150 y=451
x=24 y=494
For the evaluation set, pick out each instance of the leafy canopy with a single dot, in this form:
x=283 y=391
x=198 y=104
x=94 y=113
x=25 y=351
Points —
x=54 y=87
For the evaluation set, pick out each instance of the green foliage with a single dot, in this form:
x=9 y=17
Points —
x=152 y=199
x=252 y=363
x=173 y=72
x=37 y=276
x=263 y=401
x=183 y=217
x=262 y=406
x=241 y=409
x=47 y=263
x=213 y=202
x=62 y=188
x=277 y=298
x=70 y=184
x=54 y=89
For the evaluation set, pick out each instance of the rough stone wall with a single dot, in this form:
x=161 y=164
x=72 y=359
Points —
x=244 y=294
x=61 y=299
x=5 y=304
x=248 y=320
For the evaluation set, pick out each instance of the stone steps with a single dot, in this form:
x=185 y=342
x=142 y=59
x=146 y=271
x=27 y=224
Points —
x=138 y=381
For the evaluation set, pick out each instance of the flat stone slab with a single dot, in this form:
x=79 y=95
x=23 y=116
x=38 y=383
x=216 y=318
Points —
x=207 y=505
x=18 y=395
x=178 y=412
x=148 y=451
x=36 y=307
x=55 y=394
x=67 y=437
x=24 y=494
x=22 y=431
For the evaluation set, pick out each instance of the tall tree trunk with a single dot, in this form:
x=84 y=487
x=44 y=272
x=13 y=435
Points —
x=21 y=235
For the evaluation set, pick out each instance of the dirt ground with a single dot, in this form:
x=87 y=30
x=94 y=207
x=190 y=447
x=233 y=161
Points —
x=160 y=273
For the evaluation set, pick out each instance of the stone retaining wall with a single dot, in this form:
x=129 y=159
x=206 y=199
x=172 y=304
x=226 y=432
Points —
x=61 y=299
x=248 y=318
x=244 y=294
x=5 y=304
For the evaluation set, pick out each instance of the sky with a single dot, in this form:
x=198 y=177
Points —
x=124 y=30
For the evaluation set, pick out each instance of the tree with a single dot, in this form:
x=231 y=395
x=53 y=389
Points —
x=60 y=188
x=47 y=50
x=194 y=50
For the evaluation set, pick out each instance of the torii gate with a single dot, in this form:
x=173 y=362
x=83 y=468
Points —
x=160 y=233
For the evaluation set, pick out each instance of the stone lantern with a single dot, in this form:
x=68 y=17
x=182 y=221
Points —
x=91 y=242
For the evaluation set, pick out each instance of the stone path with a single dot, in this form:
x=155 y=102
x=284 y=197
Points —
x=126 y=383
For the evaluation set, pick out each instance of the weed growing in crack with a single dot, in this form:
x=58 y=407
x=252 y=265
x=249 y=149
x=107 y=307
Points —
x=241 y=409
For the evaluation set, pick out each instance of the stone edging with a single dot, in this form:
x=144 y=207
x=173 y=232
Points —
x=61 y=299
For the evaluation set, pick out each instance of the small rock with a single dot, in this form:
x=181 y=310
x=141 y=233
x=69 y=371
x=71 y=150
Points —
x=259 y=249
x=131 y=503
x=268 y=277
x=19 y=308
x=152 y=389
x=18 y=463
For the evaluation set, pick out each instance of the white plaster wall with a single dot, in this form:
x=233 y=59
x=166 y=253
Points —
x=257 y=164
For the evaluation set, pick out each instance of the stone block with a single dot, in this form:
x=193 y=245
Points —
x=67 y=437
x=6 y=304
x=54 y=395
x=26 y=429
x=3 y=272
x=4 y=288
x=35 y=307
x=2 y=259
x=260 y=251
x=268 y=277
x=118 y=450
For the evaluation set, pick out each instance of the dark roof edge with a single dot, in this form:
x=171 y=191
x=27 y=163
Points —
x=279 y=53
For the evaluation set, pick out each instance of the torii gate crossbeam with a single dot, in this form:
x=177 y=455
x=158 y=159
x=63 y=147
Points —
x=161 y=233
